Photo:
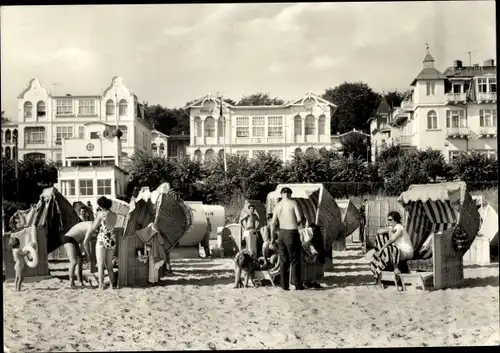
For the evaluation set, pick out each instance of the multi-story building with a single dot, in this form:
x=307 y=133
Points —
x=454 y=111
x=9 y=135
x=92 y=167
x=169 y=146
x=45 y=120
x=284 y=130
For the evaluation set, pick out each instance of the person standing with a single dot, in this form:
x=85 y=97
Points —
x=289 y=217
x=71 y=242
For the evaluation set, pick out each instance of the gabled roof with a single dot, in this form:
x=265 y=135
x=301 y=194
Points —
x=33 y=82
x=301 y=100
x=383 y=107
x=429 y=73
x=201 y=101
x=469 y=71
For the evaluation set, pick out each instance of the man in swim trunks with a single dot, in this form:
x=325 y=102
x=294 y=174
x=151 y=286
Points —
x=71 y=242
x=249 y=223
x=288 y=215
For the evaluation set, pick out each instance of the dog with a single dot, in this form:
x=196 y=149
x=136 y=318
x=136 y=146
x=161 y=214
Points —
x=246 y=262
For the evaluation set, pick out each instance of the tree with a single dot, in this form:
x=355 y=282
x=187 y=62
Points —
x=356 y=103
x=474 y=166
x=229 y=101
x=260 y=99
x=168 y=121
x=405 y=170
x=309 y=167
x=187 y=177
x=394 y=98
x=266 y=172
x=433 y=163
x=355 y=145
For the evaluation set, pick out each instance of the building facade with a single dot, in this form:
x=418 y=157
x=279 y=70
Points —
x=169 y=146
x=92 y=167
x=10 y=132
x=45 y=120
x=284 y=130
x=454 y=111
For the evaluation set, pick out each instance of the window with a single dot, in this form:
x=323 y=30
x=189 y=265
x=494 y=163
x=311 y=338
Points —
x=68 y=187
x=310 y=125
x=242 y=153
x=209 y=127
x=431 y=88
x=457 y=88
x=59 y=158
x=322 y=125
x=63 y=132
x=277 y=153
x=154 y=148
x=487 y=117
x=242 y=127
x=454 y=154
x=220 y=123
x=64 y=107
x=40 y=109
x=258 y=126
x=144 y=141
x=94 y=135
x=87 y=187
x=455 y=118
x=7 y=152
x=34 y=135
x=432 y=120
x=104 y=187
x=197 y=126
x=493 y=84
x=275 y=126
x=162 y=148
x=297 y=125
x=110 y=107
x=28 y=110
x=86 y=107
x=8 y=136
x=124 y=131
x=81 y=132
x=482 y=85
x=255 y=153
x=122 y=108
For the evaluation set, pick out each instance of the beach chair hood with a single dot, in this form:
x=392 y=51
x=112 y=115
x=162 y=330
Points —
x=433 y=208
x=350 y=216
x=317 y=205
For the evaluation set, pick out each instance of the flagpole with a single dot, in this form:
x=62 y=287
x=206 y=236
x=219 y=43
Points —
x=223 y=135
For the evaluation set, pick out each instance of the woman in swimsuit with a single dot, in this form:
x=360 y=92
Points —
x=104 y=224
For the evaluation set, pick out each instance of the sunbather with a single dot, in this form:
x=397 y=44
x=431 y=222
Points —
x=398 y=248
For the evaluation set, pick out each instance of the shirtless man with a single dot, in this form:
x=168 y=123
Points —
x=250 y=221
x=71 y=242
x=288 y=215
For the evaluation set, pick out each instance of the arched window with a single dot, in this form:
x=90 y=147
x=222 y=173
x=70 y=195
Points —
x=432 y=120
x=15 y=135
x=197 y=127
x=162 y=149
x=209 y=155
x=323 y=151
x=322 y=125
x=221 y=154
x=7 y=152
x=154 y=148
x=220 y=126
x=297 y=125
x=197 y=155
x=28 y=110
x=8 y=136
x=310 y=150
x=310 y=125
x=110 y=107
x=298 y=152
x=209 y=127
x=123 y=107
x=40 y=108
x=14 y=153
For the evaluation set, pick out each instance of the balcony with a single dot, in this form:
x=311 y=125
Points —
x=486 y=97
x=407 y=105
x=457 y=132
x=488 y=132
x=457 y=97
x=404 y=140
x=384 y=127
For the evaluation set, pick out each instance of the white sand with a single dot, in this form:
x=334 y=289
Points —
x=198 y=309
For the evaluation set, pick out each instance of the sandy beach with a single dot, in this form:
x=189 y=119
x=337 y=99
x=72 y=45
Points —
x=196 y=308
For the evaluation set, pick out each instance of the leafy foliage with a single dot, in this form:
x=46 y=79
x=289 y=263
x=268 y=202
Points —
x=356 y=103
x=168 y=121
x=394 y=98
x=266 y=172
x=355 y=145
x=433 y=164
x=309 y=167
x=259 y=99
x=148 y=171
x=475 y=166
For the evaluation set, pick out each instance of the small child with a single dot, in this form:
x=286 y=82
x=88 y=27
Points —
x=19 y=261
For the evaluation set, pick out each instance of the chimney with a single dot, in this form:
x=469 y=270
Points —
x=489 y=63
x=457 y=64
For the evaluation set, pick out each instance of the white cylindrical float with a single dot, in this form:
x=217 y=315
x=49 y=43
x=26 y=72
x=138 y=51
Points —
x=194 y=235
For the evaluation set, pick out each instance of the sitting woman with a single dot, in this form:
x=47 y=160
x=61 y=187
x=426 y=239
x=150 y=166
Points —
x=398 y=248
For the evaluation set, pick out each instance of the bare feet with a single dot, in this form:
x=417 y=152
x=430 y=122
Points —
x=72 y=286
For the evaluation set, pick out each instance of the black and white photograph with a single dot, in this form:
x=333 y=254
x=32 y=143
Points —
x=224 y=176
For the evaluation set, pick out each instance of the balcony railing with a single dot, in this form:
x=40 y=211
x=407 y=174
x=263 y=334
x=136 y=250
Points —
x=488 y=131
x=457 y=97
x=404 y=140
x=457 y=132
x=487 y=97
x=407 y=105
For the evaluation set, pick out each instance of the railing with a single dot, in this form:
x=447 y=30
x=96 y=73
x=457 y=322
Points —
x=457 y=131
x=404 y=140
x=384 y=126
x=457 y=97
x=407 y=105
x=488 y=130
x=487 y=96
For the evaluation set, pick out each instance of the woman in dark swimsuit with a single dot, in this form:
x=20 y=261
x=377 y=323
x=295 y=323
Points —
x=104 y=224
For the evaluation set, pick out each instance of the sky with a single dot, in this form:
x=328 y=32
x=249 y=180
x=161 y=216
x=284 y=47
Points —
x=171 y=54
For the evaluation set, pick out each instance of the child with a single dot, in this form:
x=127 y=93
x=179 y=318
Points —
x=247 y=262
x=19 y=261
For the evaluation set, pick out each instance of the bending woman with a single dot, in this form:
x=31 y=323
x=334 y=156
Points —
x=398 y=248
x=104 y=224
